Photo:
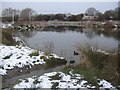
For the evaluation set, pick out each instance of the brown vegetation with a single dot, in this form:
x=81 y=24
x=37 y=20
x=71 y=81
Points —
x=106 y=65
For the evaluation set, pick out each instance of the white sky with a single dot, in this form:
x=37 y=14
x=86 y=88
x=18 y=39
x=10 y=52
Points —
x=59 y=0
x=60 y=6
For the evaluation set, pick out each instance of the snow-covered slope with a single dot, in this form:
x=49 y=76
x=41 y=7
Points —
x=64 y=81
x=11 y=56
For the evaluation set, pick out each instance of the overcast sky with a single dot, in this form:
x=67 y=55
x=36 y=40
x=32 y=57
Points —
x=61 y=7
x=59 y=0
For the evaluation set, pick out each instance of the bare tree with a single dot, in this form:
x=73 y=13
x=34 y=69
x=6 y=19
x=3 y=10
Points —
x=7 y=12
x=26 y=14
x=91 y=11
x=10 y=13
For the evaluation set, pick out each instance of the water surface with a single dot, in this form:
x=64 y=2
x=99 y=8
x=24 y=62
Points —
x=65 y=39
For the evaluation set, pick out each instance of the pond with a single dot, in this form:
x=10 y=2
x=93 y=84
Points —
x=64 y=39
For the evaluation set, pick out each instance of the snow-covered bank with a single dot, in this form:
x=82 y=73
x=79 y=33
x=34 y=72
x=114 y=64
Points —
x=20 y=55
x=11 y=56
x=6 y=26
x=59 y=80
x=102 y=51
x=18 y=40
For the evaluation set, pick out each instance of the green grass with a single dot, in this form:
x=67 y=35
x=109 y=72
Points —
x=12 y=85
x=55 y=77
x=89 y=74
x=0 y=67
x=26 y=80
x=96 y=64
x=8 y=40
x=36 y=81
x=42 y=57
x=55 y=84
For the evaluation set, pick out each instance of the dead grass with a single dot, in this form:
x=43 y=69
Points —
x=53 y=62
x=106 y=64
x=7 y=39
x=35 y=53
x=48 y=48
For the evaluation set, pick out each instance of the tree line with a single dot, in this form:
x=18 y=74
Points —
x=28 y=14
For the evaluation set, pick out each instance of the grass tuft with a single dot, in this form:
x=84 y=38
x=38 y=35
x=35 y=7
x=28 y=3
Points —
x=52 y=62
x=26 y=80
x=42 y=57
x=78 y=69
x=95 y=65
x=36 y=81
x=7 y=39
x=55 y=77
x=55 y=84
x=35 y=53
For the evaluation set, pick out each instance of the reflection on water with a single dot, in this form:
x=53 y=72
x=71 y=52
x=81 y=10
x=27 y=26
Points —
x=66 y=38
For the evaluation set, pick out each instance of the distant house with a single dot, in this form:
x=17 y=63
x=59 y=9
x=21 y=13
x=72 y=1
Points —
x=88 y=17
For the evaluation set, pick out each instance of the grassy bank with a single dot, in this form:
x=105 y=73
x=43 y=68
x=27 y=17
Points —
x=7 y=39
x=97 y=64
x=53 y=62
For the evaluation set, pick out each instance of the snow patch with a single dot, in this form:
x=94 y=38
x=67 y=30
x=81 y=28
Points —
x=11 y=56
x=66 y=81
x=6 y=25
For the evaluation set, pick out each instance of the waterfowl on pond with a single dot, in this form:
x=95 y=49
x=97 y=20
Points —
x=72 y=61
x=76 y=53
